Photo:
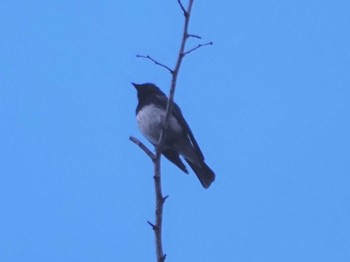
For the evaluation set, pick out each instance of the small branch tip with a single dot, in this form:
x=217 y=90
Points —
x=153 y=226
x=156 y=62
x=165 y=198
x=196 y=47
x=194 y=36
x=163 y=258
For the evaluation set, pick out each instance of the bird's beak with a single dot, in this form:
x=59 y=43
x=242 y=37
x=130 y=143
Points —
x=135 y=85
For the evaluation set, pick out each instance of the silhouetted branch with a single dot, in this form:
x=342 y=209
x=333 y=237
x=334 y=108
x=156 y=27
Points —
x=156 y=62
x=143 y=147
x=182 y=7
x=160 y=200
x=152 y=225
x=158 y=226
x=197 y=47
x=157 y=175
x=194 y=36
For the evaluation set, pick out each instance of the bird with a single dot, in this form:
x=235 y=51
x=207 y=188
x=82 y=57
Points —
x=179 y=139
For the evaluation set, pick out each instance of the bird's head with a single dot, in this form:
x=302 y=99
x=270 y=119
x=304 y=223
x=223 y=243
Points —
x=144 y=90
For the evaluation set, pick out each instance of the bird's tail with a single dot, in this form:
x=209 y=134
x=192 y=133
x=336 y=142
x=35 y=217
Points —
x=205 y=175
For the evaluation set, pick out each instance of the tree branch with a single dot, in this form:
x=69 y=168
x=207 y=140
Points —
x=194 y=36
x=197 y=47
x=175 y=73
x=160 y=200
x=156 y=62
x=143 y=147
x=158 y=226
x=182 y=7
x=157 y=174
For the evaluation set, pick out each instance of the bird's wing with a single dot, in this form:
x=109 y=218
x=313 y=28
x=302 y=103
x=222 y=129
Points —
x=173 y=156
x=179 y=117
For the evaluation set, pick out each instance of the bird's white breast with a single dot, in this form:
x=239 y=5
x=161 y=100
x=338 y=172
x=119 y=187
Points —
x=150 y=119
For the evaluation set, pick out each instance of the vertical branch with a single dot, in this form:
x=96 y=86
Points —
x=157 y=174
x=175 y=73
x=159 y=211
x=157 y=227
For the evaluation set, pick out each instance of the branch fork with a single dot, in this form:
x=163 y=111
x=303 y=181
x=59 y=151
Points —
x=185 y=36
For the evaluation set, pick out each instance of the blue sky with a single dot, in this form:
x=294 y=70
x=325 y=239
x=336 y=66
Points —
x=268 y=104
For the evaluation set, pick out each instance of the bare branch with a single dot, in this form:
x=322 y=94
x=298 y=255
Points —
x=143 y=147
x=152 y=225
x=175 y=73
x=194 y=36
x=165 y=198
x=197 y=47
x=156 y=62
x=182 y=7
x=162 y=259
x=160 y=200
x=159 y=209
x=157 y=175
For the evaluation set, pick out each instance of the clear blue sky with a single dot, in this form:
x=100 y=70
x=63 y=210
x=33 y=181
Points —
x=269 y=104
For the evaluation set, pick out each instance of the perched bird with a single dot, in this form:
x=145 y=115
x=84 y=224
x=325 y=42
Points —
x=179 y=139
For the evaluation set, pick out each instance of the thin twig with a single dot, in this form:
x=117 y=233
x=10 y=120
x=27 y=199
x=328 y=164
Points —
x=165 y=198
x=182 y=7
x=143 y=147
x=152 y=225
x=194 y=36
x=195 y=48
x=156 y=62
